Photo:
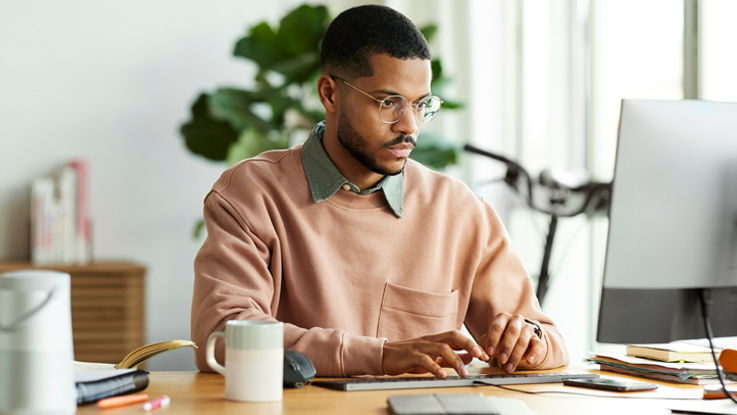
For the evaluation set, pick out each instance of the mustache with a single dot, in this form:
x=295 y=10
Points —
x=401 y=140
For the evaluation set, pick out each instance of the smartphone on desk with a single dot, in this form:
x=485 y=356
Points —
x=611 y=384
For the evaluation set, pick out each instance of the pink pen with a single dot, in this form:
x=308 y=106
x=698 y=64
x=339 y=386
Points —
x=160 y=402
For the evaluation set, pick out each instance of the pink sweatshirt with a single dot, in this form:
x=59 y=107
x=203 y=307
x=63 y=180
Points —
x=345 y=275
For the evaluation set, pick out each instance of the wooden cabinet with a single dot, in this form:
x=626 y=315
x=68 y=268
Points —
x=108 y=308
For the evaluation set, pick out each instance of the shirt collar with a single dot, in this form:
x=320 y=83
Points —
x=325 y=179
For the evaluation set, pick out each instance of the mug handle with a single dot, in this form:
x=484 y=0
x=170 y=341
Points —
x=20 y=320
x=210 y=352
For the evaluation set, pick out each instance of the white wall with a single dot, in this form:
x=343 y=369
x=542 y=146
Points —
x=110 y=82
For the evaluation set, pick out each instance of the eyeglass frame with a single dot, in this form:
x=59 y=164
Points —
x=380 y=101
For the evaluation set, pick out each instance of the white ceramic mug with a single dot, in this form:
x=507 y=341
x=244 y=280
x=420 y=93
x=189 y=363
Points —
x=254 y=359
x=36 y=349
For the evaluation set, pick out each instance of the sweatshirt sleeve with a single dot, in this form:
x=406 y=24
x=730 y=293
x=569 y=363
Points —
x=233 y=281
x=501 y=284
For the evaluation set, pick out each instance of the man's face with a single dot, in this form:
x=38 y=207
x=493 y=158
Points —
x=380 y=147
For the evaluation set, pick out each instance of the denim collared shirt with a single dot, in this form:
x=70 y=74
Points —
x=325 y=179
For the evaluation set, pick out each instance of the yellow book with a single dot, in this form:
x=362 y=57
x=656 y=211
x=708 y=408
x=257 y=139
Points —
x=671 y=352
x=138 y=355
x=143 y=353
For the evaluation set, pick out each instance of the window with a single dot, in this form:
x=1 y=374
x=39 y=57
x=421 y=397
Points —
x=718 y=61
x=543 y=86
x=568 y=64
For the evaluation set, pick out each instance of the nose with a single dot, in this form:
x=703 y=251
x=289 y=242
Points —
x=408 y=124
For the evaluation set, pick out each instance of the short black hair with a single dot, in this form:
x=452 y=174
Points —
x=361 y=31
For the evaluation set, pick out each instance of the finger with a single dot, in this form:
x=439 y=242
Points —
x=457 y=341
x=516 y=354
x=509 y=338
x=535 y=351
x=429 y=353
x=426 y=362
x=496 y=329
x=465 y=357
x=448 y=356
x=405 y=356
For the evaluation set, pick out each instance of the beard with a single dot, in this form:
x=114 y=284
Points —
x=352 y=141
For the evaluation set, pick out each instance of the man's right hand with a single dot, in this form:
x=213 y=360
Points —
x=431 y=354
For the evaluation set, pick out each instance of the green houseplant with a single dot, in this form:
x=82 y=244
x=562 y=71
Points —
x=233 y=123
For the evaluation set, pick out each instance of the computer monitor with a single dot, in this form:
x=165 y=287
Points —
x=672 y=223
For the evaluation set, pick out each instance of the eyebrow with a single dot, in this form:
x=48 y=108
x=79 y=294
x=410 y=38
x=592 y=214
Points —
x=389 y=92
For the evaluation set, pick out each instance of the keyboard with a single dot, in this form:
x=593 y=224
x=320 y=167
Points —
x=379 y=383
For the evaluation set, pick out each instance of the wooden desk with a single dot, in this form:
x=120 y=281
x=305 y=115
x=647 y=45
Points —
x=204 y=393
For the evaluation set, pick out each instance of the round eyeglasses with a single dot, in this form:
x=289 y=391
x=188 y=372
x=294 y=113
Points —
x=393 y=107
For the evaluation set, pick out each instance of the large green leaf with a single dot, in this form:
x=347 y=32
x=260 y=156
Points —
x=235 y=106
x=206 y=136
x=429 y=31
x=261 y=46
x=301 y=30
x=299 y=69
x=292 y=49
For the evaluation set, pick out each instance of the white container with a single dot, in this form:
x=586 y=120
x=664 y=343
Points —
x=36 y=349
x=254 y=360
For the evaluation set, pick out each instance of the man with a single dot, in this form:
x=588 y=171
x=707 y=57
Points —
x=372 y=261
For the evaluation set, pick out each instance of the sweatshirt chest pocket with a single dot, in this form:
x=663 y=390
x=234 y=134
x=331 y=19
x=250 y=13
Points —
x=408 y=313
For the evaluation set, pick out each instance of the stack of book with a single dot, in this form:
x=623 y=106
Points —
x=60 y=225
x=678 y=362
x=695 y=373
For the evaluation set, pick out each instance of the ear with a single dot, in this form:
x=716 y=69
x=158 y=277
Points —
x=327 y=89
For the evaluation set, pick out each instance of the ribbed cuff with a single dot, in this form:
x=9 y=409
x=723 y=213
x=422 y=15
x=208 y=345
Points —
x=362 y=355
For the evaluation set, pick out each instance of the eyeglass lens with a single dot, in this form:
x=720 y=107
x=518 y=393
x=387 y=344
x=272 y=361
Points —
x=393 y=107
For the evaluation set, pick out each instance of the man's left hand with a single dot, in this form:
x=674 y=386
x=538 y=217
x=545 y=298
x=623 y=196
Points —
x=513 y=342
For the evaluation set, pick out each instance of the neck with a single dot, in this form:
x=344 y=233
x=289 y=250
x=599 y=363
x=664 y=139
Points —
x=347 y=165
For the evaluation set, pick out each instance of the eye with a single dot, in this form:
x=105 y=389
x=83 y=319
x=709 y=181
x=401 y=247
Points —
x=389 y=102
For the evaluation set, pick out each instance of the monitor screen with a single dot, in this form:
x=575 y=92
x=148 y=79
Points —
x=672 y=223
